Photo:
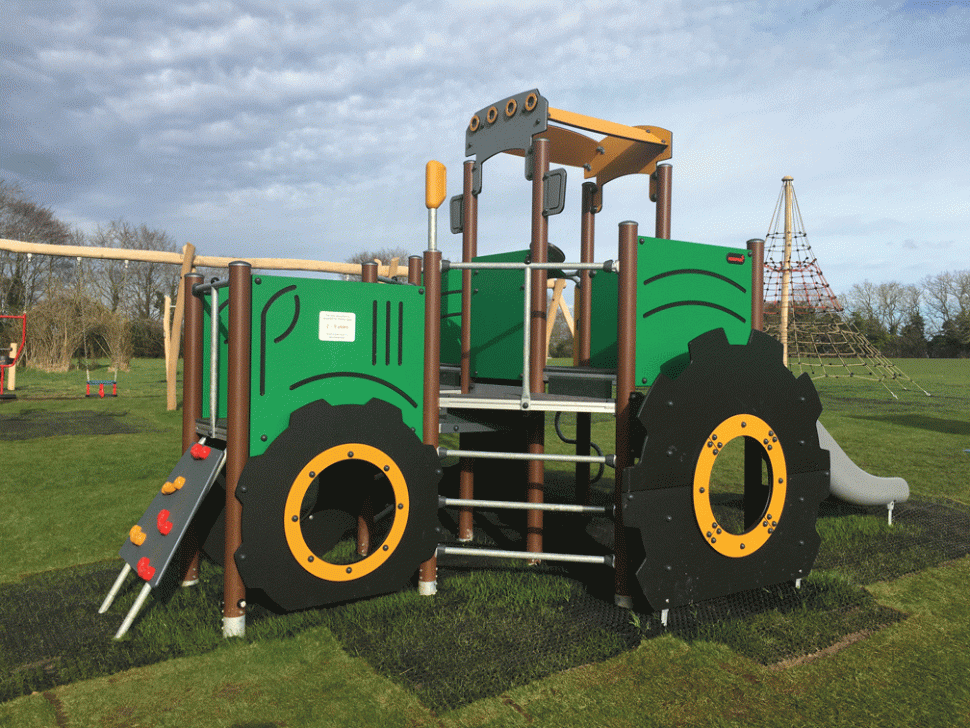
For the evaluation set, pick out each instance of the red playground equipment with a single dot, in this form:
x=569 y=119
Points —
x=101 y=384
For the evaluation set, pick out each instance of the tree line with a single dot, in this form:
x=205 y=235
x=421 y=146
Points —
x=931 y=319
x=84 y=309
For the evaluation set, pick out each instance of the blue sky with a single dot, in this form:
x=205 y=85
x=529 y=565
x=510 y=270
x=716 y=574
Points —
x=301 y=129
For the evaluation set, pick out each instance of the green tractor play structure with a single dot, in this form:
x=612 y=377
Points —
x=323 y=400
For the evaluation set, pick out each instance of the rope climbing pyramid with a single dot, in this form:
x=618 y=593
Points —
x=803 y=313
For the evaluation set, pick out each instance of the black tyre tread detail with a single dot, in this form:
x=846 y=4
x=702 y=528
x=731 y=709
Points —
x=722 y=380
x=264 y=559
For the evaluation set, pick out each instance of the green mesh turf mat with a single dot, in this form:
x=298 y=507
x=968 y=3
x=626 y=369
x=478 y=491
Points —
x=488 y=629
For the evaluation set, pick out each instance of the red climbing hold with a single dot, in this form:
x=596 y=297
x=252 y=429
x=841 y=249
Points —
x=164 y=525
x=200 y=452
x=145 y=570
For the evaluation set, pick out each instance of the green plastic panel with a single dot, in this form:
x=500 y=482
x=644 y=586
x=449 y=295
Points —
x=345 y=342
x=497 y=311
x=451 y=316
x=683 y=290
x=498 y=306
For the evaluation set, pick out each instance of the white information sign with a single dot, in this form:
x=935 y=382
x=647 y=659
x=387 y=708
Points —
x=338 y=326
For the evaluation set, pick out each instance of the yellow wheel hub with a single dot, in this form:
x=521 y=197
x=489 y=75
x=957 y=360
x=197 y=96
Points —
x=294 y=501
x=745 y=544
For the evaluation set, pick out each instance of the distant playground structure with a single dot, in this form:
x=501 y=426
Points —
x=313 y=410
x=803 y=313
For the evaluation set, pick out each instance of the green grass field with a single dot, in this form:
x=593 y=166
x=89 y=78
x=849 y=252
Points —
x=71 y=498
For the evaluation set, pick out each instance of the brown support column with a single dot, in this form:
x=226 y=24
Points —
x=756 y=250
x=237 y=439
x=756 y=490
x=584 y=322
x=428 y=577
x=625 y=383
x=664 y=177
x=365 y=519
x=191 y=407
x=414 y=270
x=535 y=422
x=469 y=249
x=587 y=234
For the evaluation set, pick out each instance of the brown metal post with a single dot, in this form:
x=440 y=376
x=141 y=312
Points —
x=664 y=178
x=365 y=519
x=756 y=491
x=756 y=250
x=428 y=576
x=584 y=323
x=469 y=249
x=237 y=439
x=625 y=383
x=414 y=270
x=535 y=422
x=587 y=235
x=191 y=406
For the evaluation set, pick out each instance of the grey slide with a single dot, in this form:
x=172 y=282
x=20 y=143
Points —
x=852 y=484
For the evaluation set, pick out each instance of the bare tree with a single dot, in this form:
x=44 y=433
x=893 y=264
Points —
x=862 y=300
x=149 y=282
x=108 y=279
x=385 y=256
x=891 y=305
x=22 y=276
x=947 y=297
x=134 y=288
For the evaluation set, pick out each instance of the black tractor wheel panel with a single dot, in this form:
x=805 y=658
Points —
x=302 y=496
x=727 y=391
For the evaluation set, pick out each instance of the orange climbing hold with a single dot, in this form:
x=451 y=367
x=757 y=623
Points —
x=173 y=486
x=136 y=535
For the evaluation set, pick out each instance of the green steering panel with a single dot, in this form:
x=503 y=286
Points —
x=345 y=342
x=683 y=290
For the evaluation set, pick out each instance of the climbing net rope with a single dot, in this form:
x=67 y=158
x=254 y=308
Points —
x=821 y=340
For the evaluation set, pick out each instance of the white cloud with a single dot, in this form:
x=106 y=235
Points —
x=227 y=121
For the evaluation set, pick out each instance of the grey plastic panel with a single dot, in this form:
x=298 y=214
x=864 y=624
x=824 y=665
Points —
x=505 y=131
x=555 y=192
x=456 y=208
